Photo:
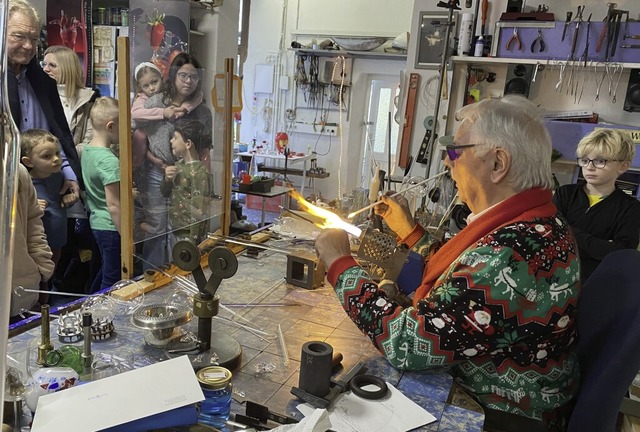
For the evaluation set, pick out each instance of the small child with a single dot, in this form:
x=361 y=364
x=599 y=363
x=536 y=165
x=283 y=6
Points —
x=40 y=153
x=603 y=217
x=101 y=173
x=149 y=82
x=187 y=184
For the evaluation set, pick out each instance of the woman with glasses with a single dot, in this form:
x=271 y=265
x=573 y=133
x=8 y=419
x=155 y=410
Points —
x=63 y=65
x=603 y=217
x=184 y=84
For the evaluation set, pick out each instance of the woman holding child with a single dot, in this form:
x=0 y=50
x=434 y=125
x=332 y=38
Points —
x=183 y=86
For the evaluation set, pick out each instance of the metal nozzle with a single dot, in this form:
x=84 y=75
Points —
x=86 y=329
x=45 y=341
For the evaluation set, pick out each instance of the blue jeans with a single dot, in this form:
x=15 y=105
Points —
x=109 y=244
x=155 y=251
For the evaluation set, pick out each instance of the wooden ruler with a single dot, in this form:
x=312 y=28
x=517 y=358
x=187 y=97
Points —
x=405 y=143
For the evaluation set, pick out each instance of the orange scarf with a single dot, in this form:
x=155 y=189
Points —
x=532 y=203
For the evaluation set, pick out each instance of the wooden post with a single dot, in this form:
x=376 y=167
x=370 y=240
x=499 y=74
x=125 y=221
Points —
x=227 y=149
x=126 y=168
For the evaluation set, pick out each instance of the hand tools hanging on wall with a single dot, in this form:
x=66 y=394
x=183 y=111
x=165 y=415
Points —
x=611 y=30
x=566 y=24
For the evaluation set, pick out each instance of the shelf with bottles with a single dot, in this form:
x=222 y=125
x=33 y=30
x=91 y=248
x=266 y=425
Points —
x=110 y=13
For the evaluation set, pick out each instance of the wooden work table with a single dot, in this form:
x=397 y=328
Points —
x=313 y=315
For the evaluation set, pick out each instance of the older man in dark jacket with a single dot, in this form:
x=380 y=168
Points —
x=33 y=95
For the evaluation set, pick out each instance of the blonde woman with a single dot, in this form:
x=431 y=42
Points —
x=63 y=65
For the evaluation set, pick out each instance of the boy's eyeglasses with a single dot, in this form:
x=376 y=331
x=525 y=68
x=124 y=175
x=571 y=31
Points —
x=452 y=150
x=183 y=77
x=597 y=163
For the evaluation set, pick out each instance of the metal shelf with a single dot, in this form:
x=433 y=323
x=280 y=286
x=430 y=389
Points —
x=545 y=62
x=379 y=55
x=292 y=171
x=209 y=5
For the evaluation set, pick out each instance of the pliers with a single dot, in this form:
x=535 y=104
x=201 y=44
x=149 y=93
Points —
x=514 y=37
x=540 y=42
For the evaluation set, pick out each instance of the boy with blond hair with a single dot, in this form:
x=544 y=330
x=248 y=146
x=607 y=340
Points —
x=603 y=217
x=101 y=173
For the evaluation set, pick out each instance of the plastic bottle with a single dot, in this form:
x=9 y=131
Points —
x=464 y=39
x=479 y=48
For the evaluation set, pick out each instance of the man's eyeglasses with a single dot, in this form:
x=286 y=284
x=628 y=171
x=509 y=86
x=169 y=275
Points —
x=183 y=77
x=597 y=163
x=452 y=150
x=21 y=39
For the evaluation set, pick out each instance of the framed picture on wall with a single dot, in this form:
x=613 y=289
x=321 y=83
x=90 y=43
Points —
x=431 y=42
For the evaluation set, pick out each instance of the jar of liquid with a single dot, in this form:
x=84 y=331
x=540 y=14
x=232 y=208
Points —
x=102 y=16
x=215 y=382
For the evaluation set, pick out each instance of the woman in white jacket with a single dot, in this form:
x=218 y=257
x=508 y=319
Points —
x=63 y=65
x=31 y=254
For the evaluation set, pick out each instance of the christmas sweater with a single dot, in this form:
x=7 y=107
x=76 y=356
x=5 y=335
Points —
x=501 y=317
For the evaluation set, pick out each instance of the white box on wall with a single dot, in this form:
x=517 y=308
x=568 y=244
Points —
x=263 y=79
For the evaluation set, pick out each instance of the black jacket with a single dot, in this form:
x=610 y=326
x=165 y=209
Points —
x=46 y=91
x=611 y=224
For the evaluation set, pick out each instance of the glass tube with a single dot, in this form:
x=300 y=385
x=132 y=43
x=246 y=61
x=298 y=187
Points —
x=9 y=179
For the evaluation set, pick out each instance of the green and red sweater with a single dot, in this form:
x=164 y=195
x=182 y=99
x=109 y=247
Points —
x=501 y=312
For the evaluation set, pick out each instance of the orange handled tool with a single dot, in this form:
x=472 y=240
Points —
x=485 y=7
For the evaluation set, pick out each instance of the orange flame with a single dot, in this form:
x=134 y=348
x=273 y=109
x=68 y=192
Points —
x=323 y=217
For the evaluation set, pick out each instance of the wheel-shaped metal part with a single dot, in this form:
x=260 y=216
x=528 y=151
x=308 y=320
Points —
x=186 y=255
x=222 y=262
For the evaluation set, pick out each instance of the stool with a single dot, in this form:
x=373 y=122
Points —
x=305 y=270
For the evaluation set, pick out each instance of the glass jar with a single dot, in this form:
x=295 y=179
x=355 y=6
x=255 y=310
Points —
x=215 y=382
x=102 y=16
x=124 y=17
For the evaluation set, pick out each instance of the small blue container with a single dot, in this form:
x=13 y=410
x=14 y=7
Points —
x=215 y=382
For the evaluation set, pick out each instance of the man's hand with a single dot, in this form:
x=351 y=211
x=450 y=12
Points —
x=170 y=172
x=332 y=244
x=69 y=199
x=42 y=203
x=396 y=214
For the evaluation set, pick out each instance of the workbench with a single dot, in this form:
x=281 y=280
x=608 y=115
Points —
x=278 y=161
x=316 y=315
x=275 y=191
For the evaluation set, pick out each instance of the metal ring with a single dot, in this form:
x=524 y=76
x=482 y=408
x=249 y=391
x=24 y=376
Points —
x=360 y=381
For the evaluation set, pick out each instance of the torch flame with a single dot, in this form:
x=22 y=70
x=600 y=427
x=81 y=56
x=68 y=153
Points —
x=324 y=217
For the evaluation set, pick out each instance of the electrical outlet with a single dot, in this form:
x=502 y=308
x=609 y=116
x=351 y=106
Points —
x=317 y=129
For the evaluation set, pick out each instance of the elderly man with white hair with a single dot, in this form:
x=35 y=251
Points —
x=497 y=302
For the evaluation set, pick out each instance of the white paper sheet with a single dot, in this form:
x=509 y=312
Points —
x=120 y=398
x=316 y=421
x=395 y=413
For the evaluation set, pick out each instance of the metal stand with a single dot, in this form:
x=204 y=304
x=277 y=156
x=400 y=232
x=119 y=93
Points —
x=206 y=349
x=451 y=5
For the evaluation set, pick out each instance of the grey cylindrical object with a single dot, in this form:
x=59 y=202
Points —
x=315 y=368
